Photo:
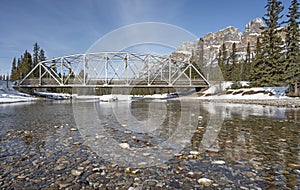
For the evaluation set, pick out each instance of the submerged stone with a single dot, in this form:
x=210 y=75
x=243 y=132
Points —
x=205 y=181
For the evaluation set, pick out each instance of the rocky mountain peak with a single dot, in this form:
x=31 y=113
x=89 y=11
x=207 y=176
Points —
x=254 y=26
x=207 y=48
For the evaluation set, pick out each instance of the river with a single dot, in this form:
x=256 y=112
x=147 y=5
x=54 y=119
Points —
x=149 y=144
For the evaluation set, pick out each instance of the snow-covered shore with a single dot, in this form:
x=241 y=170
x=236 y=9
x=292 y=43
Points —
x=223 y=91
x=272 y=96
x=9 y=95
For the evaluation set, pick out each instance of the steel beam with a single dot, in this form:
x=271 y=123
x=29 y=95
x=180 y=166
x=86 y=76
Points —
x=105 y=68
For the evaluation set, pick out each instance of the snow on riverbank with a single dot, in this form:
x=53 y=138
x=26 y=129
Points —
x=220 y=91
x=223 y=91
x=9 y=95
x=55 y=96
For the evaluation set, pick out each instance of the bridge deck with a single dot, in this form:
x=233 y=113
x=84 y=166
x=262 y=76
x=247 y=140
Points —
x=111 y=86
x=113 y=70
x=102 y=83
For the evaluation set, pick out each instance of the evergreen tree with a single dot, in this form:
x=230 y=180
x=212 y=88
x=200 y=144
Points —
x=26 y=64
x=268 y=66
x=225 y=62
x=221 y=63
x=234 y=68
x=42 y=56
x=257 y=69
x=246 y=64
x=14 y=74
x=19 y=68
x=35 y=60
x=292 y=39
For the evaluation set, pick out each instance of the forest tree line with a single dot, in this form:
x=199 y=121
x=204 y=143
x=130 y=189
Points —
x=276 y=61
x=23 y=65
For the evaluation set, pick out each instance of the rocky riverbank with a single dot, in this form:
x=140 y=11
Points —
x=289 y=103
x=268 y=96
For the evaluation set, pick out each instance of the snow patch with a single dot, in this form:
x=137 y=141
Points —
x=10 y=95
x=223 y=91
x=56 y=96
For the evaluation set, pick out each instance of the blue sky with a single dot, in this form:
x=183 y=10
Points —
x=63 y=27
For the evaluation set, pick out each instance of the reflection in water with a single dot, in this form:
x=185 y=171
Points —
x=259 y=145
x=164 y=128
x=217 y=112
x=262 y=138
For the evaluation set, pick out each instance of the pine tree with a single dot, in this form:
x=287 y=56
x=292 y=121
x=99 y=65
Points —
x=225 y=62
x=268 y=66
x=257 y=69
x=292 y=39
x=42 y=56
x=234 y=67
x=26 y=64
x=246 y=64
x=35 y=58
x=221 y=63
x=14 y=74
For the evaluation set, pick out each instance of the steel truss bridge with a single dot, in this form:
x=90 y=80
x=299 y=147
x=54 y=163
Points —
x=113 y=69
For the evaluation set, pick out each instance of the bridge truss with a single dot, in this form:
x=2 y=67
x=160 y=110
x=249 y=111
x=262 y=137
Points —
x=113 y=69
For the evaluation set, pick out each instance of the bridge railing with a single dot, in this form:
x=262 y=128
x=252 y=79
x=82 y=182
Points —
x=113 y=68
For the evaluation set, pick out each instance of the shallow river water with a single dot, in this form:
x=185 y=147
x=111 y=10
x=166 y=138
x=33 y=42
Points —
x=149 y=144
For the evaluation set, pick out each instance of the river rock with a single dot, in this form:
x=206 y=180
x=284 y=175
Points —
x=21 y=176
x=194 y=152
x=146 y=154
x=137 y=180
x=76 y=172
x=62 y=185
x=219 y=162
x=191 y=175
x=142 y=164
x=205 y=181
x=294 y=166
x=97 y=170
x=124 y=145
x=127 y=170
x=59 y=167
x=132 y=188
x=134 y=172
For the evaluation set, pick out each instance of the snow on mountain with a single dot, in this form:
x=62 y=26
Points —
x=207 y=48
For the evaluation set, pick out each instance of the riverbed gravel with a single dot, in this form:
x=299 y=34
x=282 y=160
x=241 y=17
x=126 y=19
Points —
x=258 y=153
